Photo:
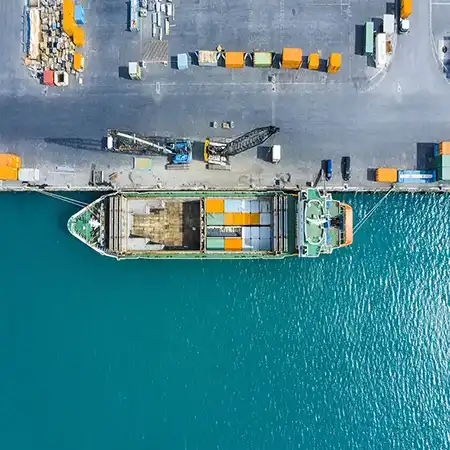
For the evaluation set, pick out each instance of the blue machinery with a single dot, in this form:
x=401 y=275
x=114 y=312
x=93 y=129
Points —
x=178 y=151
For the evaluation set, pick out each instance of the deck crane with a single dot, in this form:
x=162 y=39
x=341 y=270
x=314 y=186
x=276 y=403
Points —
x=217 y=154
x=178 y=151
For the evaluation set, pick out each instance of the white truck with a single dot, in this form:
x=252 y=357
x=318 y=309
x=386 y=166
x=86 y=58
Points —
x=380 y=51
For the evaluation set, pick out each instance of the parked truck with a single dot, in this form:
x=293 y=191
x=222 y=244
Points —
x=405 y=12
x=380 y=51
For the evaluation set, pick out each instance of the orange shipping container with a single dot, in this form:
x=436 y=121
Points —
x=233 y=244
x=10 y=160
x=214 y=205
x=78 y=37
x=254 y=218
x=234 y=60
x=8 y=173
x=228 y=219
x=291 y=58
x=78 y=61
x=444 y=148
x=334 y=62
x=384 y=175
x=313 y=61
x=68 y=17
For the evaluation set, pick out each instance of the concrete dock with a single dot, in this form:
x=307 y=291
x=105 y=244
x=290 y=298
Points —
x=387 y=118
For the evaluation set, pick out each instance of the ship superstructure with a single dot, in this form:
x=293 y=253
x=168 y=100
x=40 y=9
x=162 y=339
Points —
x=218 y=225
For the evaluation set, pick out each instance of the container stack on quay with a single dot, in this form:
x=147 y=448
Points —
x=11 y=169
x=442 y=161
x=238 y=225
x=291 y=58
x=54 y=34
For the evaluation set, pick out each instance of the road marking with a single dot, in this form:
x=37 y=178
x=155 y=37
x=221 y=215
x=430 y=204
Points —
x=158 y=87
x=441 y=3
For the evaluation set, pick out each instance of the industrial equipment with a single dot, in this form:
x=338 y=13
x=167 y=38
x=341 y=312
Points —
x=405 y=12
x=178 y=151
x=217 y=154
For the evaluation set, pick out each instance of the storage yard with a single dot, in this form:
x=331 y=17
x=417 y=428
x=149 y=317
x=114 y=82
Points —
x=372 y=115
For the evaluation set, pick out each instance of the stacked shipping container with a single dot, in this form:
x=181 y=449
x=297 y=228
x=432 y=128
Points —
x=442 y=161
x=9 y=166
x=238 y=225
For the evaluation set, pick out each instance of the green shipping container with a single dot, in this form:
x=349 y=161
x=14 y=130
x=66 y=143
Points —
x=443 y=161
x=214 y=243
x=215 y=219
x=443 y=173
x=262 y=59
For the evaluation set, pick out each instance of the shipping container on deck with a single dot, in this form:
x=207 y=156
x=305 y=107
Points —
x=234 y=60
x=215 y=219
x=313 y=61
x=214 y=205
x=215 y=243
x=443 y=173
x=442 y=161
x=8 y=173
x=386 y=175
x=262 y=60
x=443 y=148
x=233 y=244
x=416 y=176
x=207 y=58
x=10 y=160
x=291 y=58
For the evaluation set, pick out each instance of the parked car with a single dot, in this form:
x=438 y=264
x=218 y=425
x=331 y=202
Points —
x=346 y=168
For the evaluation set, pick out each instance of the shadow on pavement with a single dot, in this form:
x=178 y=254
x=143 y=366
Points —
x=123 y=73
x=425 y=158
x=79 y=143
x=371 y=174
x=391 y=8
x=359 y=40
x=263 y=153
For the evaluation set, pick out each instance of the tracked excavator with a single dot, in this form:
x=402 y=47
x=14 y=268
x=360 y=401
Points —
x=217 y=154
x=177 y=151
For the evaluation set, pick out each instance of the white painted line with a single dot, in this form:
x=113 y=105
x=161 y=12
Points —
x=441 y=3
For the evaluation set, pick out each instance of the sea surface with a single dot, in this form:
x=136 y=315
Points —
x=349 y=351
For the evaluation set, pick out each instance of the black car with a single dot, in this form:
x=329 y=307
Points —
x=345 y=168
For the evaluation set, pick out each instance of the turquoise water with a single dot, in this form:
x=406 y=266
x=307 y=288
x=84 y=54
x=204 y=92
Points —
x=348 y=351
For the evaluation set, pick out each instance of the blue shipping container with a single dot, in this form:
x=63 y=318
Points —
x=79 y=15
x=416 y=176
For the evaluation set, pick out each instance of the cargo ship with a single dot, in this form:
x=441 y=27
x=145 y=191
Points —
x=214 y=225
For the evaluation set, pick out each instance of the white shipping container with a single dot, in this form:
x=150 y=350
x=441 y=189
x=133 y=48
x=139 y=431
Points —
x=167 y=26
x=265 y=232
x=28 y=175
x=247 y=243
x=157 y=6
x=153 y=17
x=159 y=18
x=380 y=50
x=246 y=233
x=254 y=206
x=254 y=232
x=169 y=9
x=154 y=30
x=265 y=218
x=246 y=206
x=265 y=206
x=264 y=244
x=232 y=205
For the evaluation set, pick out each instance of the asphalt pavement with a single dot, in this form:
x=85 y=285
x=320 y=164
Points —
x=379 y=119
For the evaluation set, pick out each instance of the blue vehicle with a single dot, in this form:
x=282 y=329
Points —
x=328 y=167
